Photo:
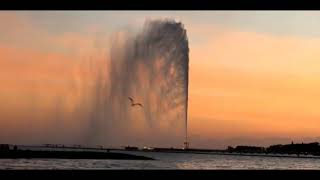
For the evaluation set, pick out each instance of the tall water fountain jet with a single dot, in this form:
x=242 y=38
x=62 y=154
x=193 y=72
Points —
x=152 y=67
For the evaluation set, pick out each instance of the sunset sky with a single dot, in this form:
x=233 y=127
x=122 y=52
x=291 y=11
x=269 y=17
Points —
x=254 y=76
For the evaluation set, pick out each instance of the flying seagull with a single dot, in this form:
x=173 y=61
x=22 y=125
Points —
x=134 y=104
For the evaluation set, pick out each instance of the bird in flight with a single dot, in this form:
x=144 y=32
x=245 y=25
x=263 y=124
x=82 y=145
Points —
x=134 y=104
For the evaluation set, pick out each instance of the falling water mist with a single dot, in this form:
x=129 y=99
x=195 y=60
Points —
x=151 y=66
x=85 y=100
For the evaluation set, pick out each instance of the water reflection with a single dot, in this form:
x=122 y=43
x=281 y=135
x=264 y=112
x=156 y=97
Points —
x=167 y=161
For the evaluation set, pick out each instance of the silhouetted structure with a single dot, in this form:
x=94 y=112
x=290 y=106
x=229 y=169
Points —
x=310 y=148
x=246 y=149
x=230 y=149
x=186 y=145
x=306 y=149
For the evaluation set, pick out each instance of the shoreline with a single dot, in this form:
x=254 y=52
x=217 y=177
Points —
x=38 y=154
x=118 y=153
x=228 y=154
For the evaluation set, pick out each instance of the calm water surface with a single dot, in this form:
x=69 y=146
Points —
x=167 y=161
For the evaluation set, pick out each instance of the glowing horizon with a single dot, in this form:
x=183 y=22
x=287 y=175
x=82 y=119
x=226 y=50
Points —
x=253 y=76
